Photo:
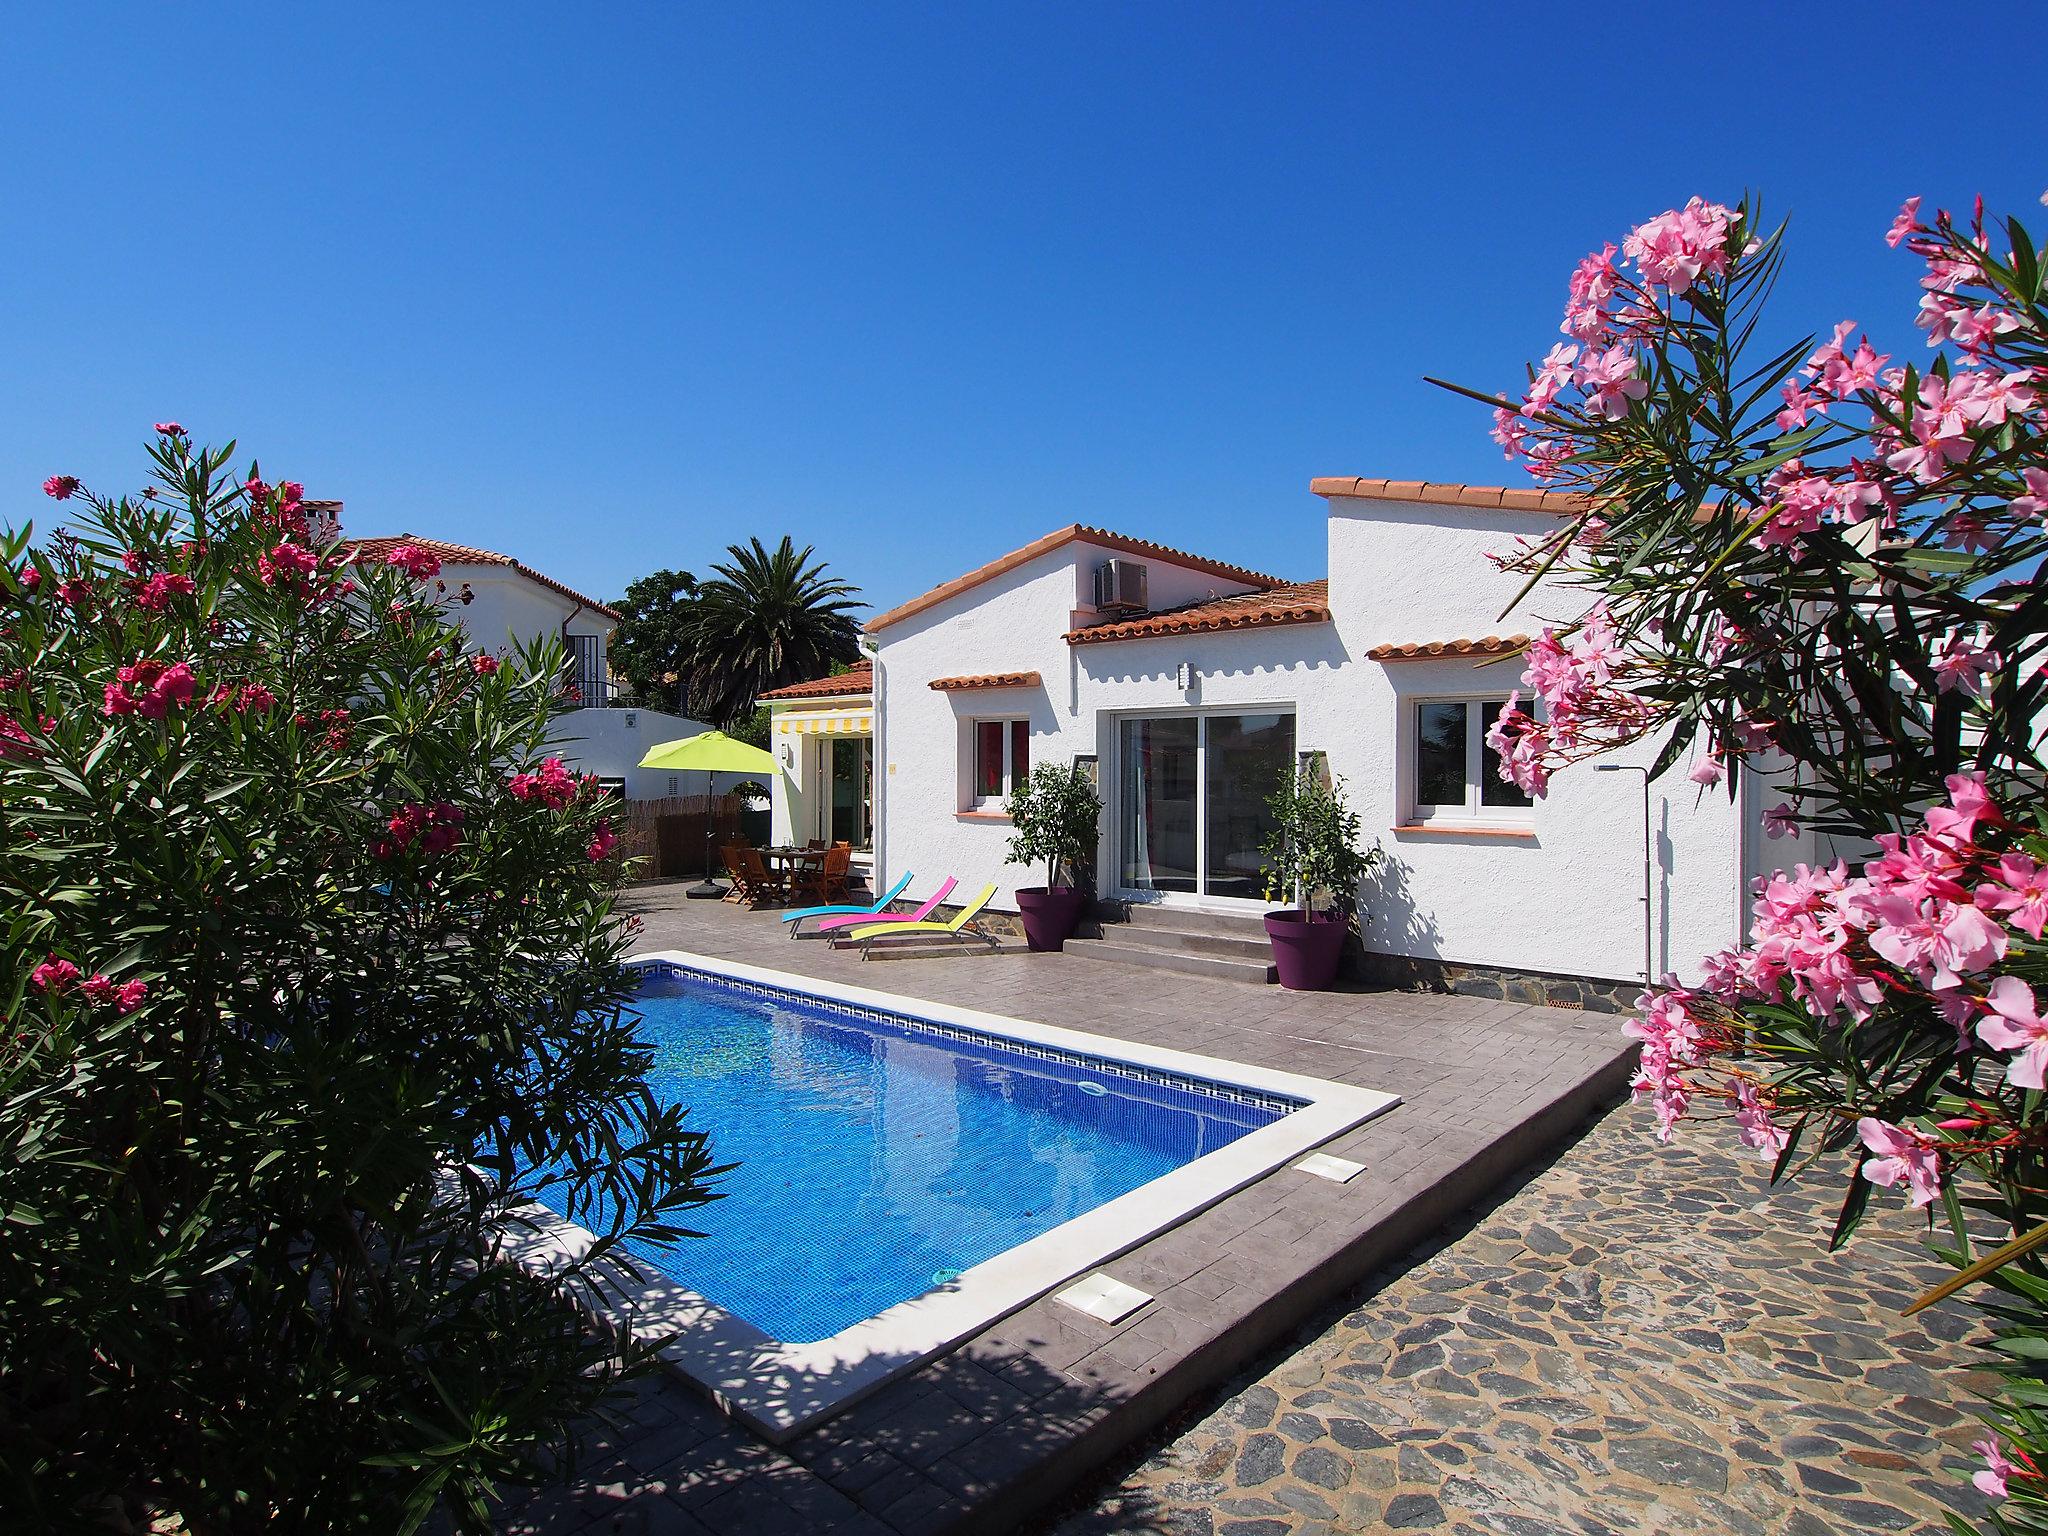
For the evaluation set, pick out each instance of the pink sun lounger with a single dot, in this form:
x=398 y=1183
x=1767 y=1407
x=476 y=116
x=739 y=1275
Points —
x=923 y=912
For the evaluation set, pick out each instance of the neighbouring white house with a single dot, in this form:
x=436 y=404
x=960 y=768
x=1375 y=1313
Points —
x=501 y=602
x=1192 y=685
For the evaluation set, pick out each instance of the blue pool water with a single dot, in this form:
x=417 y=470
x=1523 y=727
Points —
x=879 y=1157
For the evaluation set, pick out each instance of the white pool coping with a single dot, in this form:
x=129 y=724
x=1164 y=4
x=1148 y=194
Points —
x=779 y=1390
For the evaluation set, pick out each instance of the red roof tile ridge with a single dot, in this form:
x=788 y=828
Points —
x=1453 y=493
x=1427 y=650
x=854 y=681
x=470 y=554
x=986 y=680
x=1303 y=602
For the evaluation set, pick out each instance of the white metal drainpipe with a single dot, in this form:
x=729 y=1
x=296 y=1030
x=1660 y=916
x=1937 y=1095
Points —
x=878 y=768
x=1649 y=952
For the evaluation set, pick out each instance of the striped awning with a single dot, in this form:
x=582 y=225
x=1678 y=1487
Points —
x=827 y=722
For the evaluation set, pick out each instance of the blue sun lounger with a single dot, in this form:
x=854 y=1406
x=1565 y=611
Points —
x=796 y=918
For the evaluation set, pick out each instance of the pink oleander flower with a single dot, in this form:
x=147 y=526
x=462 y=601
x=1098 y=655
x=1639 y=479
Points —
x=156 y=593
x=130 y=997
x=2013 y=1022
x=1969 y=803
x=435 y=829
x=1510 y=431
x=1901 y=1154
x=1907 y=223
x=1672 y=1041
x=290 y=493
x=1676 y=249
x=418 y=563
x=2019 y=887
x=1755 y=1127
x=553 y=785
x=254 y=698
x=1940 y=428
x=1991 y=1482
x=483 y=663
x=98 y=989
x=150 y=689
x=169 y=429
x=1552 y=378
x=1939 y=942
x=286 y=562
x=1799 y=404
x=1708 y=772
x=60 y=486
x=1593 y=283
x=54 y=975
x=1780 y=821
x=1964 y=665
x=1611 y=382
x=603 y=842
x=2035 y=502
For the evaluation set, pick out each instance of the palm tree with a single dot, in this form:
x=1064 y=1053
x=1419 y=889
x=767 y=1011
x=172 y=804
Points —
x=769 y=618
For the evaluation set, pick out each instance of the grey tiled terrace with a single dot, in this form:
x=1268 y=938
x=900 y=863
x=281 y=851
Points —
x=993 y=1434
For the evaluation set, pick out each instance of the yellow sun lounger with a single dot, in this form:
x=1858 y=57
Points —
x=964 y=924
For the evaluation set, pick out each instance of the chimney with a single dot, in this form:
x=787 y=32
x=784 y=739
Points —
x=323 y=519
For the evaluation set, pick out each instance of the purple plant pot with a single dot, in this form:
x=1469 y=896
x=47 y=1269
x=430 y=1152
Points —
x=1306 y=949
x=1050 y=914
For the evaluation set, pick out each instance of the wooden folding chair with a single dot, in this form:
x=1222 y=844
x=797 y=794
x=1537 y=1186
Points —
x=735 y=873
x=824 y=881
x=763 y=888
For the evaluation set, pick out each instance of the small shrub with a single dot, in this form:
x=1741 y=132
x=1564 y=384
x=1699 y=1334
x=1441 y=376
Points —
x=1054 y=815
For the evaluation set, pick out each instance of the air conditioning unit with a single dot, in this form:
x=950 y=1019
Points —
x=1120 y=587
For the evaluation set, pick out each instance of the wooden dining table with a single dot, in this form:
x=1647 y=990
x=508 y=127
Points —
x=786 y=863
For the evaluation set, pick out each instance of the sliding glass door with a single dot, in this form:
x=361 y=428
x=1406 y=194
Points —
x=1192 y=813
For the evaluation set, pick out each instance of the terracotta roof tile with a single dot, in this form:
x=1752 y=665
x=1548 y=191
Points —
x=1524 y=499
x=381 y=545
x=1067 y=535
x=1430 y=650
x=853 y=683
x=1306 y=602
x=987 y=680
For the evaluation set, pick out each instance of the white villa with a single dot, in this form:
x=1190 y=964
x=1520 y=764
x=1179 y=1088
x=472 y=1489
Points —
x=499 y=603
x=1192 y=684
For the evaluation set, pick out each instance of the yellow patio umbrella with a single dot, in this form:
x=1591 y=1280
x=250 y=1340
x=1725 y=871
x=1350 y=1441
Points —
x=708 y=752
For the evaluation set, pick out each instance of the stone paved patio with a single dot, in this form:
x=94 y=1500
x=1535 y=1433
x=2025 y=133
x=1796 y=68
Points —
x=1640 y=1339
x=990 y=1436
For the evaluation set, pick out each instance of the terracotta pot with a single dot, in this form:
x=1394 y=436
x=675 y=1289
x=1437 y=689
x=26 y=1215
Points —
x=1050 y=914
x=1306 y=948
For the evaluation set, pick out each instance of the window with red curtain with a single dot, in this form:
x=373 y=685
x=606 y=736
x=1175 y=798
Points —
x=1020 y=751
x=988 y=759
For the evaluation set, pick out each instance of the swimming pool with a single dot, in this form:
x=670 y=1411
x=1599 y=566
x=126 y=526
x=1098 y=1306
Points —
x=908 y=1172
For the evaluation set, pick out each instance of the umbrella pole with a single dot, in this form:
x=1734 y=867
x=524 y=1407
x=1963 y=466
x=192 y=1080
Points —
x=707 y=889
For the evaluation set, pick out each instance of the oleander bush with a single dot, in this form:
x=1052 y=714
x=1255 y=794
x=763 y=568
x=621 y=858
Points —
x=1817 y=561
x=310 y=958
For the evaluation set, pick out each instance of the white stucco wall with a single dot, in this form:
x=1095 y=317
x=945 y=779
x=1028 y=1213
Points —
x=507 y=608
x=611 y=742
x=1565 y=899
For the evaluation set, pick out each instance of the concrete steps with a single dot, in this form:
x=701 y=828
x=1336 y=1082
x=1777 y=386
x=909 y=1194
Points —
x=1224 y=946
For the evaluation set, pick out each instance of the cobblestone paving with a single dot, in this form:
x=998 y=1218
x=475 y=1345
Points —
x=1639 y=1339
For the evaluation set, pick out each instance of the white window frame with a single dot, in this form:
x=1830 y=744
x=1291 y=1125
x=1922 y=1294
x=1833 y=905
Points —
x=1474 y=810
x=973 y=798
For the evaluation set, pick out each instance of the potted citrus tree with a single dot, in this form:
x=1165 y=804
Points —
x=1055 y=813
x=1313 y=856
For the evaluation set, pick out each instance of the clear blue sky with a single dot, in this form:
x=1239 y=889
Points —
x=608 y=287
